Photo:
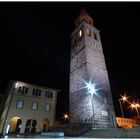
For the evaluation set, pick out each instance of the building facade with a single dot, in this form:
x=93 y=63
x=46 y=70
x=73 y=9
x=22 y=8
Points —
x=126 y=122
x=28 y=109
x=90 y=94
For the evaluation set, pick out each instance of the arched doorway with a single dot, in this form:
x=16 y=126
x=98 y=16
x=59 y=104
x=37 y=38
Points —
x=46 y=123
x=30 y=126
x=15 y=125
x=27 y=126
x=33 y=129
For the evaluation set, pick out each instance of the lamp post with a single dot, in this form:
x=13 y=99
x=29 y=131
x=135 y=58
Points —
x=121 y=108
x=91 y=97
x=66 y=116
x=15 y=85
x=124 y=98
x=136 y=107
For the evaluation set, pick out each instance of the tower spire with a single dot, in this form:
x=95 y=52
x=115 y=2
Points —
x=83 y=16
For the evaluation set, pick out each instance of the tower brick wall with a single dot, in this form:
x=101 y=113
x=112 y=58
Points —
x=88 y=65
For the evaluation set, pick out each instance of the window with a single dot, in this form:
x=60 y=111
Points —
x=23 y=90
x=47 y=107
x=39 y=92
x=49 y=94
x=95 y=36
x=26 y=90
x=36 y=92
x=80 y=33
x=19 y=104
x=19 y=89
x=34 y=106
x=91 y=44
x=88 y=32
x=33 y=93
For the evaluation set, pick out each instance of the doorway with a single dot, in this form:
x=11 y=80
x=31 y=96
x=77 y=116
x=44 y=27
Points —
x=15 y=125
x=30 y=126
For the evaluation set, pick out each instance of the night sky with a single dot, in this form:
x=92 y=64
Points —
x=35 y=45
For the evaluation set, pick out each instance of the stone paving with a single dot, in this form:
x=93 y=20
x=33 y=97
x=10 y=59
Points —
x=94 y=134
x=113 y=133
x=36 y=136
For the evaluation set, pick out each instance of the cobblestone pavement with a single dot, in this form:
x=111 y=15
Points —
x=37 y=136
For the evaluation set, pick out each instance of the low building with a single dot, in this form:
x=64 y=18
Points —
x=126 y=122
x=28 y=109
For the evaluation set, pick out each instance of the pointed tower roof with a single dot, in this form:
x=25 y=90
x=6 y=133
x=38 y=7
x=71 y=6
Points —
x=83 y=16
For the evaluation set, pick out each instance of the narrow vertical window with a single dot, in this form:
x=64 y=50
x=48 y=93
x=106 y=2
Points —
x=19 y=89
x=88 y=32
x=34 y=106
x=80 y=33
x=36 y=92
x=91 y=44
x=47 y=107
x=39 y=94
x=33 y=92
x=51 y=94
x=19 y=104
x=26 y=90
x=23 y=88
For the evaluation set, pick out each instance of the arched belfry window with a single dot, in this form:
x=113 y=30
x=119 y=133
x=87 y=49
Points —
x=80 y=33
x=88 y=32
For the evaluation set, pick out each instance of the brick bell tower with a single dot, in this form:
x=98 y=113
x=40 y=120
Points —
x=90 y=95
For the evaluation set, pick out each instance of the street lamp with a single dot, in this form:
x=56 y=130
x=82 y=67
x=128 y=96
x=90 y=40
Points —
x=123 y=98
x=15 y=85
x=66 y=116
x=136 y=107
x=91 y=88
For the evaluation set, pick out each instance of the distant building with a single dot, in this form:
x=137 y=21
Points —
x=126 y=122
x=28 y=109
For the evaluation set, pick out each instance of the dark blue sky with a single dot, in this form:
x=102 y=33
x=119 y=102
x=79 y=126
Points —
x=35 y=44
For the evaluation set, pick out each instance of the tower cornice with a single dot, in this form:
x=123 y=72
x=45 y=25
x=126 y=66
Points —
x=84 y=24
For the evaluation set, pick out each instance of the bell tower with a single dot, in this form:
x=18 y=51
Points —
x=90 y=94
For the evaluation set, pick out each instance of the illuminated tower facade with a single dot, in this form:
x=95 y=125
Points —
x=90 y=95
